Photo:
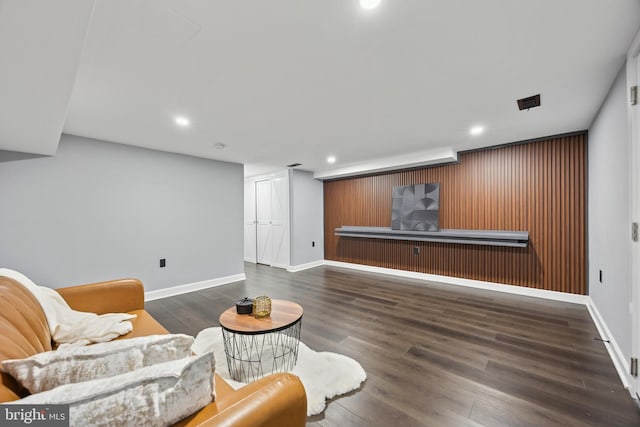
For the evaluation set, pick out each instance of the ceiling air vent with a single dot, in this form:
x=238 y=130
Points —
x=293 y=165
x=530 y=102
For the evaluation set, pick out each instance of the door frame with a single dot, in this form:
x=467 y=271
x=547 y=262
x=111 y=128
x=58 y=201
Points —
x=272 y=177
x=633 y=79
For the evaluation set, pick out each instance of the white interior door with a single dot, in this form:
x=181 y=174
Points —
x=280 y=221
x=250 y=228
x=263 y=217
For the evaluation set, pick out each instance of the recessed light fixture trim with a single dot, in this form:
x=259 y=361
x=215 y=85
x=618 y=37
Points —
x=182 y=121
x=219 y=145
x=369 y=4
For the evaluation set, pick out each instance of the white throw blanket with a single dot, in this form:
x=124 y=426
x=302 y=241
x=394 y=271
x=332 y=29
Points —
x=68 y=326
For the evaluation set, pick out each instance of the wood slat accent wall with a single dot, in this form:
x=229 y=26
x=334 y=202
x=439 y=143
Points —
x=539 y=187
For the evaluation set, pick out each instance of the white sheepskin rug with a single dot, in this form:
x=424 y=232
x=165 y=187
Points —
x=323 y=374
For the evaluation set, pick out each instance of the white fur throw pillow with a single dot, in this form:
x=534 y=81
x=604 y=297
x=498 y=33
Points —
x=157 y=395
x=44 y=371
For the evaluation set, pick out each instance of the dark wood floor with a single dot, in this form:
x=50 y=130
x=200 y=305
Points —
x=436 y=355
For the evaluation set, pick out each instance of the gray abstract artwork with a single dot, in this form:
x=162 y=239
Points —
x=416 y=207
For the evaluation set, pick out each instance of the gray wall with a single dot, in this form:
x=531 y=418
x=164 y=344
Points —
x=307 y=217
x=609 y=214
x=98 y=211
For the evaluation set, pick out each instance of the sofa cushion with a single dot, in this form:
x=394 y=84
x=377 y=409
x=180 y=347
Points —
x=47 y=370
x=144 y=324
x=156 y=395
x=25 y=331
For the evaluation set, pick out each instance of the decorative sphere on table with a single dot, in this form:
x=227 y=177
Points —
x=262 y=306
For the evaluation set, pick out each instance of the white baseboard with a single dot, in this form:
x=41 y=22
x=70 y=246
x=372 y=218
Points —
x=305 y=266
x=491 y=286
x=618 y=359
x=282 y=266
x=191 y=287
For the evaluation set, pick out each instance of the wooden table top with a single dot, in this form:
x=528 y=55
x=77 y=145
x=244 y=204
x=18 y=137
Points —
x=283 y=314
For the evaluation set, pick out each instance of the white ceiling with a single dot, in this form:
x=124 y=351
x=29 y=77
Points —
x=40 y=47
x=286 y=81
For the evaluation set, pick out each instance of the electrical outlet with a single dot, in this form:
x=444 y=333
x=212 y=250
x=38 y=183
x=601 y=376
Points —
x=163 y=262
x=416 y=250
x=600 y=276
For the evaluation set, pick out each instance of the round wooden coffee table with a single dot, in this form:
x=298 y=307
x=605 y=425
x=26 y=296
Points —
x=255 y=346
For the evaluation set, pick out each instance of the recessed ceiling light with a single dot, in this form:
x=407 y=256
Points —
x=219 y=145
x=369 y=4
x=476 y=130
x=331 y=159
x=182 y=121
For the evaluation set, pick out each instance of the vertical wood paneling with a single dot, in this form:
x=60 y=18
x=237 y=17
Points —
x=538 y=187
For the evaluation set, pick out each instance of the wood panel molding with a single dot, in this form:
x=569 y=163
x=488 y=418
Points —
x=539 y=187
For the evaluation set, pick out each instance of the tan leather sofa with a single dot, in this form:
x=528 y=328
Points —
x=277 y=400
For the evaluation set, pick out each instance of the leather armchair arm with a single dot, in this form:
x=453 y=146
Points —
x=278 y=400
x=114 y=296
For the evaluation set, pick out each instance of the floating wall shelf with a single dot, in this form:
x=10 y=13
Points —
x=518 y=239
